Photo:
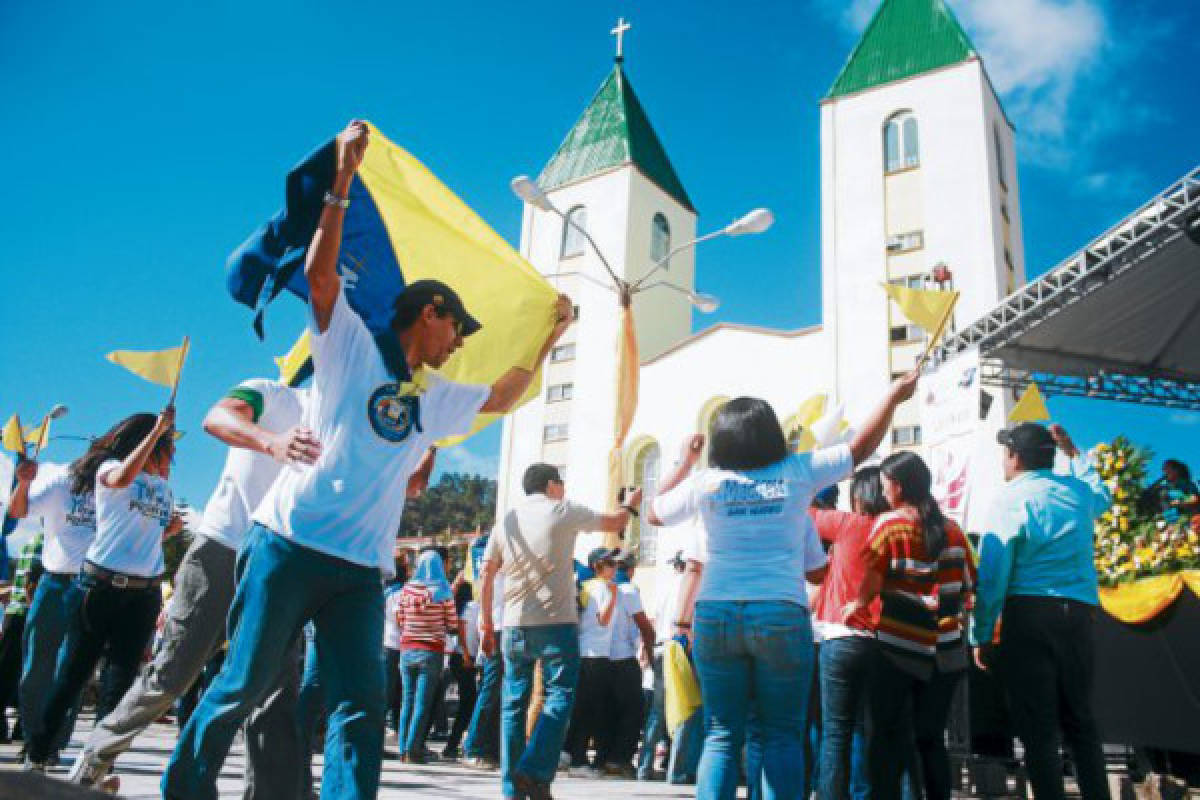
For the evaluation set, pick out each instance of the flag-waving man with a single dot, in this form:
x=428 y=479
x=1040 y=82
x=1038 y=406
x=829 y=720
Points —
x=325 y=532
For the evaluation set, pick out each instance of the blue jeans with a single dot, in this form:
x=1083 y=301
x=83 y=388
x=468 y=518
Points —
x=483 y=736
x=846 y=664
x=753 y=656
x=557 y=646
x=655 y=729
x=281 y=585
x=55 y=603
x=420 y=670
x=310 y=703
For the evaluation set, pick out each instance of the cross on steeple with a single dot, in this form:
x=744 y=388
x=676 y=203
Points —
x=619 y=32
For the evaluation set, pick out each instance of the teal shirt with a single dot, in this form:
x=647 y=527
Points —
x=1038 y=542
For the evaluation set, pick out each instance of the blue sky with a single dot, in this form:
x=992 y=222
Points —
x=145 y=140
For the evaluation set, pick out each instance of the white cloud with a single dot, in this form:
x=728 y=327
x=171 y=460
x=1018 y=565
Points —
x=461 y=459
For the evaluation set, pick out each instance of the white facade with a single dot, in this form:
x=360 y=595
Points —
x=949 y=199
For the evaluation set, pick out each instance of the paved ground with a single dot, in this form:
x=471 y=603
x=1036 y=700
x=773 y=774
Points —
x=141 y=769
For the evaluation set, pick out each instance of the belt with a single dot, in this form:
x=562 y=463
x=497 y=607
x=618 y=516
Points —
x=118 y=580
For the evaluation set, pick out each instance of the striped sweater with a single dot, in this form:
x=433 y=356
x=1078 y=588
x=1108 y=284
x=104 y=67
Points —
x=922 y=597
x=423 y=623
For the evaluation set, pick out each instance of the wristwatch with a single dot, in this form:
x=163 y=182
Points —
x=332 y=199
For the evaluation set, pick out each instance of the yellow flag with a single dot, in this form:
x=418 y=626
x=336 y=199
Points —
x=38 y=436
x=14 y=437
x=627 y=397
x=929 y=308
x=157 y=366
x=682 y=689
x=1031 y=407
x=293 y=361
x=809 y=412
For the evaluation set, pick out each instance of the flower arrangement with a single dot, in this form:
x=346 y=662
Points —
x=1131 y=542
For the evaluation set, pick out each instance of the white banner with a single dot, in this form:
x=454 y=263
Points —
x=949 y=400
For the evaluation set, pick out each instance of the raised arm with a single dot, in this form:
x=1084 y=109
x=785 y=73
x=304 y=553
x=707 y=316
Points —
x=616 y=521
x=18 y=503
x=1083 y=469
x=124 y=475
x=231 y=421
x=510 y=386
x=693 y=446
x=868 y=439
x=320 y=265
x=418 y=482
x=690 y=587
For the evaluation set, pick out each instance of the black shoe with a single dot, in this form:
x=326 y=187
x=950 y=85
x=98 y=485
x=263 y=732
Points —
x=451 y=753
x=531 y=788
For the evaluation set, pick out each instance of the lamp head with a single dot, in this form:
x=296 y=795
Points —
x=756 y=221
x=706 y=303
x=58 y=412
x=524 y=188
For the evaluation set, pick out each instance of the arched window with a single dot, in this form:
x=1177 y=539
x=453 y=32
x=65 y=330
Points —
x=901 y=144
x=645 y=475
x=660 y=238
x=573 y=227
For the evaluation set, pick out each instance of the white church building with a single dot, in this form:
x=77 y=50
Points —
x=918 y=172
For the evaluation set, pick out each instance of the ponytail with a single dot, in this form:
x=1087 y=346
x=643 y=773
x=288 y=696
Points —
x=915 y=481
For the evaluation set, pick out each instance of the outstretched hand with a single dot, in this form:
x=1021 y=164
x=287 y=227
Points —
x=297 y=445
x=352 y=146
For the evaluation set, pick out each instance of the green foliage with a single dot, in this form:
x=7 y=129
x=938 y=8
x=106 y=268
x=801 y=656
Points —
x=457 y=502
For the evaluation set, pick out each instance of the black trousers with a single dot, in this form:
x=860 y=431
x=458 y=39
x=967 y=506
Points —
x=467 y=692
x=588 y=715
x=623 y=714
x=114 y=622
x=1046 y=660
x=905 y=727
x=395 y=697
x=10 y=659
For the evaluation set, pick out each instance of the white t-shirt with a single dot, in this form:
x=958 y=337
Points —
x=626 y=635
x=391 y=628
x=68 y=520
x=595 y=640
x=130 y=523
x=350 y=502
x=666 y=605
x=470 y=618
x=248 y=475
x=757 y=540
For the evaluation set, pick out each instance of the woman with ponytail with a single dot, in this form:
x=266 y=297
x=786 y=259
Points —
x=921 y=568
x=127 y=469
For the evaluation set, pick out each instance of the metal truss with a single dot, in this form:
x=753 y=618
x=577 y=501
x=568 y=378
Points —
x=1121 y=249
x=1160 y=392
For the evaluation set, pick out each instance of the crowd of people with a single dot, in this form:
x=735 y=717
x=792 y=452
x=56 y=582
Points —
x=828 y=644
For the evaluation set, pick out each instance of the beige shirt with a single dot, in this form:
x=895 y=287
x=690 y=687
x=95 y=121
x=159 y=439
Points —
x=535 y=545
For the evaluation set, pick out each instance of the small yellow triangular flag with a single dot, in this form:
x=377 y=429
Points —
x=38 y=436
x=157 y=366
x=291 y=362
x=14 y=436
x=929 y=308
x=1030 y=408
x=811 y=409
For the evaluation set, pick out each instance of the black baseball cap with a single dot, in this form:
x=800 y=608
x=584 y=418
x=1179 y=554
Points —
x=1028 y=437
x=602 y=554
x=427 y=292
x=626 y=558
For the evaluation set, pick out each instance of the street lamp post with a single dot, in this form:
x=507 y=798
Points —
x=757 y=221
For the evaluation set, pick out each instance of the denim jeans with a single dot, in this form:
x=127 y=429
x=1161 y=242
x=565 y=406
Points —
x=310 y=704
x=655 y=729
x=281 y=585
x=557 y=646
x=753 y=656
x=55 y=603
x=846 y=663
x=420 y=671
x=483 y=737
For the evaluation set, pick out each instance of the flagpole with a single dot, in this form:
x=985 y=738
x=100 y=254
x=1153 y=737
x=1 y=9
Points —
x=933 y=340
x=183 y=353
x=41 y=442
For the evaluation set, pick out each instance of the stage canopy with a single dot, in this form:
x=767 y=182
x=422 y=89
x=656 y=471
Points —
x=1118 y=320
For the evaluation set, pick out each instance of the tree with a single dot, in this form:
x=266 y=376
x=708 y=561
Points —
x=457 y=502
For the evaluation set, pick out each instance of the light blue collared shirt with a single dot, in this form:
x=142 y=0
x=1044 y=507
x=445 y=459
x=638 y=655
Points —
x=1039 y=542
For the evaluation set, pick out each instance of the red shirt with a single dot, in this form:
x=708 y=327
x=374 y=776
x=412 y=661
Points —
x=424 y=623
x=848 y=534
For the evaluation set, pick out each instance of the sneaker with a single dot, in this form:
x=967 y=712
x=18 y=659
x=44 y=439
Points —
x=481 y=763
x=451 y=754
x=34 y=766
x=590 y=773
x=87 y=771
x=530 y=787
x=564 y=761
x=111 y=784
x=391 y=738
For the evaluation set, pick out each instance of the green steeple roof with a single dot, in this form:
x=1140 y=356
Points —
x=613 y=130
x=904 y=38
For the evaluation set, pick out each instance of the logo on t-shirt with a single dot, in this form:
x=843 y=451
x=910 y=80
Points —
x=392 y=414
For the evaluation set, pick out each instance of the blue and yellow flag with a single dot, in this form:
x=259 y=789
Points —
x=403 y=225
